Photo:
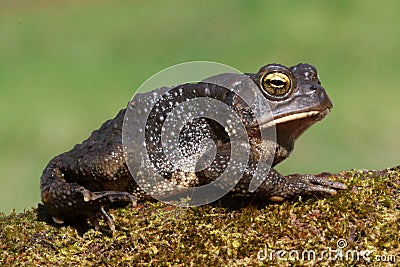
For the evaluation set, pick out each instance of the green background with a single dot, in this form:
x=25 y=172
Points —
x=66 y=67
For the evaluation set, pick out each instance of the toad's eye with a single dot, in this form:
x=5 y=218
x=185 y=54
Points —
x=276 y=83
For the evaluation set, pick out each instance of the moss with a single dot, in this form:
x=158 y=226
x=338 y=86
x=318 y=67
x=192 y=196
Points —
x=365 y=217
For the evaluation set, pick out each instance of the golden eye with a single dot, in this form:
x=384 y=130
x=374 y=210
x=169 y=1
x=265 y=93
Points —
x=276 y=83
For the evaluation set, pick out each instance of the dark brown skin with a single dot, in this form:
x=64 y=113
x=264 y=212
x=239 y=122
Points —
x=93 y=177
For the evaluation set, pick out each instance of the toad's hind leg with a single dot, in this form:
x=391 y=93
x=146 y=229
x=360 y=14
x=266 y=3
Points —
x=71 y=202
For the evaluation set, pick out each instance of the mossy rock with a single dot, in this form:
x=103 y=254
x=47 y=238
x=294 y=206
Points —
x=364 y=221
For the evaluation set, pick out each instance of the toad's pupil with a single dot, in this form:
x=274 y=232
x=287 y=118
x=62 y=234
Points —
x=277 y=83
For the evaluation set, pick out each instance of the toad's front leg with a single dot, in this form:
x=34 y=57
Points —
x=277 y=187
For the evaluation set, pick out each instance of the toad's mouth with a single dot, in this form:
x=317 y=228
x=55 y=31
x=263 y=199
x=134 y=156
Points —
x=291 y=126
x=317 y=115
x=309 y=115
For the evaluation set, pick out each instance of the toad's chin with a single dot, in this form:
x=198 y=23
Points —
x=292 y=126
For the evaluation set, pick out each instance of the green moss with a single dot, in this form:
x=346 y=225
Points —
x=366 y=216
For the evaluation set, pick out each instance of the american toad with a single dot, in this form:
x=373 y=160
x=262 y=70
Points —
x=94 y=176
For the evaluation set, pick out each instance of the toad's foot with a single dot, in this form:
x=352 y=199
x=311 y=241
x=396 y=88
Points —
x=77 y=204
x=307 y=185
x=101 y=201
x=318 y=184
x=277 y=187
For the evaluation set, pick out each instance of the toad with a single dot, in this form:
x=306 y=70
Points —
x=96 y=175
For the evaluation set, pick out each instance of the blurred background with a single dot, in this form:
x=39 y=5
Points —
x=66 y=67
